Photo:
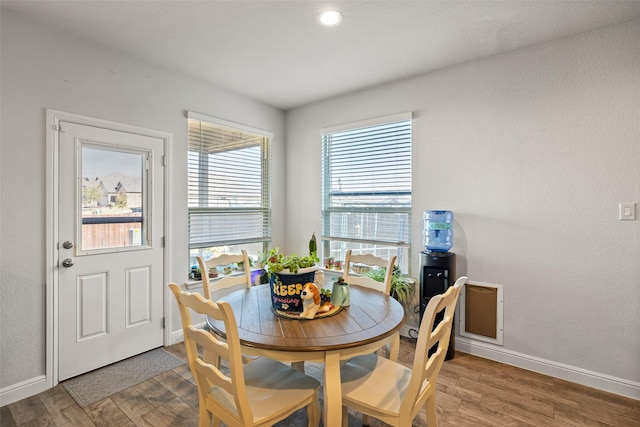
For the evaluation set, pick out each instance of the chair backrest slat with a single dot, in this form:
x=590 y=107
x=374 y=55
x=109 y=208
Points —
x=210 y=286
x=369 y=260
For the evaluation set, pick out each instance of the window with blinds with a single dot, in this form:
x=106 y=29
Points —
x=366 y=169
x=228 y=187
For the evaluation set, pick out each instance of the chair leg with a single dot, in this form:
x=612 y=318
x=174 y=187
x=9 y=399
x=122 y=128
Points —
x=313 y=412
x=204 y=416
x=393 y=348
x=345 y=416
x=204 y=419
x=365 y=419
x=432 y=417
x=299 y=366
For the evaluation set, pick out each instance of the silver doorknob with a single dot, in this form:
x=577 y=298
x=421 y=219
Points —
x=67 y=263
x=67 y=245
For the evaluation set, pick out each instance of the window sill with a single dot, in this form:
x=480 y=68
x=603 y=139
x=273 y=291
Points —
x=192 y=284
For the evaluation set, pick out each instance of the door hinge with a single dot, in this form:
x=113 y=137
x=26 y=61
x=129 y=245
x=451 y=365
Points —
x=162 y=242
x=164 y=160
x=57 y=128
x=164 y=322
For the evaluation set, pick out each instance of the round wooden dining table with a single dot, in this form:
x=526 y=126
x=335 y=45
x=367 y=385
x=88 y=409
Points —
x=371 y=321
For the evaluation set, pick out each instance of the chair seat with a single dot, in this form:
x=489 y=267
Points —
x=364 y=374
x=271 y=386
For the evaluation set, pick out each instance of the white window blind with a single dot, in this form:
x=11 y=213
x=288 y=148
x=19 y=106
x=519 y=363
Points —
x=229 y=184
x=367 y=188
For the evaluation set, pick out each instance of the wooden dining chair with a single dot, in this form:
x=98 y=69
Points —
x=400 y=391
x=368 y=261
x=224 y=284
x=258 y=394
x=364 y=263
x=214 y=289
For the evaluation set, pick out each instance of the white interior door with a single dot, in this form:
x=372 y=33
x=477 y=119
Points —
x=110 y=255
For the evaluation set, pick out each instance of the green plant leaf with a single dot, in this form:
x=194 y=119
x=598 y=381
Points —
x=401 y=288
x=277 y=262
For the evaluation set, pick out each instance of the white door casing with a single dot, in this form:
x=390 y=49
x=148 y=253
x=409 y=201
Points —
x=110 y=303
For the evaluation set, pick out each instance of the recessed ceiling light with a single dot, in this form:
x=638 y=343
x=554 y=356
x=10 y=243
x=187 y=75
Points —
x=330 y=18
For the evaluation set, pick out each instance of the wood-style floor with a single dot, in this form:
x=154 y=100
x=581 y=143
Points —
x=471 y=392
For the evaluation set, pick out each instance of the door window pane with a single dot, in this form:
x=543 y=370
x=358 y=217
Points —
x=112 y=198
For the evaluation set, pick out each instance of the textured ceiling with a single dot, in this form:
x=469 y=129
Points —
x=275 y=51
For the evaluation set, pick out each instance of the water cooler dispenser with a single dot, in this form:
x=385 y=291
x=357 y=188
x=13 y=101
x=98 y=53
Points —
x=438 y=265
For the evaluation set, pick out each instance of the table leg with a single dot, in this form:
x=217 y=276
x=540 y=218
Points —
x=298 y=365
x=394 y=347
x=332 y=410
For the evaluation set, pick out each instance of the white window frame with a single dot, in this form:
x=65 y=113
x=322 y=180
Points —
x=336 y=241
x=204 y=212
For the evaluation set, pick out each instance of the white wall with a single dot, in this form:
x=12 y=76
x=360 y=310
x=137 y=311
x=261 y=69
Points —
x=41 y=70
x=532 y=151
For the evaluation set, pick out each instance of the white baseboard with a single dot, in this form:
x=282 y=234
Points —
x=24 y=389
x=558 y=370
x=176 y=337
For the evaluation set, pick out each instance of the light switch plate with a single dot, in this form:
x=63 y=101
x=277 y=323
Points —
x=627 y=211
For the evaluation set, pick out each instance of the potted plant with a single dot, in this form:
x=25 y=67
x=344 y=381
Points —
x=195 y=273
x=402 y=289
x=287 y=275
x=276 y=262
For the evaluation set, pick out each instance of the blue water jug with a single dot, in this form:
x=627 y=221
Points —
x=438 y=230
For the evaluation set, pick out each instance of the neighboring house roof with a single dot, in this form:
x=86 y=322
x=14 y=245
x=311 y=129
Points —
x=116 y=183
